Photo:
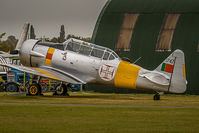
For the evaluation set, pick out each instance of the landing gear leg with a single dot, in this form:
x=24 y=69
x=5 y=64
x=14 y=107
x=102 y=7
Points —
x=61 y=89
x=156 y=96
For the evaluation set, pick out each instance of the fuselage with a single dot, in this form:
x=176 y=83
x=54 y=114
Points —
x=89 y=62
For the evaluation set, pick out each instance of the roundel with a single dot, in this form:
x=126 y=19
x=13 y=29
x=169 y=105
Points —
x=106 y=72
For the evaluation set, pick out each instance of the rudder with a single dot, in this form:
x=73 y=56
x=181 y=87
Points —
x=174 y=68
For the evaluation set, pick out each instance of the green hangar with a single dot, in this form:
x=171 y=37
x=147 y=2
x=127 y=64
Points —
x=148 y=31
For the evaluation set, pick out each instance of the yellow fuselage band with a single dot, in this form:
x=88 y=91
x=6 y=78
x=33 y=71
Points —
x=126 y=75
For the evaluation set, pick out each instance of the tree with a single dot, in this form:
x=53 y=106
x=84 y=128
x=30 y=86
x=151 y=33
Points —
x=12 y=40
x=32 y=32
x=54 y=40
x=1 y=35
x=87 y=39
x=61 y=34
x=1 y=43
x=9 y=44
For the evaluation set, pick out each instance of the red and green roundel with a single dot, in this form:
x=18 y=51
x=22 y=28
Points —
x=167 y=68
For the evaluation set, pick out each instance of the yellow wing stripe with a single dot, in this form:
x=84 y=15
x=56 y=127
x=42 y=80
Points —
x=46 y=73
x=126 y=75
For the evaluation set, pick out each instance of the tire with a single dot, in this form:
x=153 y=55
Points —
x=61 y=90
x=34 y=90
x=2 y=87
x=156 y=97
x=12 y=87
x=4 y=77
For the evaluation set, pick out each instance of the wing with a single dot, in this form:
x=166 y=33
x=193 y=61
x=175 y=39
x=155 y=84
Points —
x=50 y=73
x=3 y=73
x=6 y=55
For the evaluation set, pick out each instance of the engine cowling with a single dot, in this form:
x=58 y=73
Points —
x=25 y=52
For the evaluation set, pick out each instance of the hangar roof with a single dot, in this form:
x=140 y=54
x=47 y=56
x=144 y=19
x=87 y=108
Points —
x=144 y=24
x=148 y=6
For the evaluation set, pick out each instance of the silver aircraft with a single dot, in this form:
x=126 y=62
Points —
x=7 y=57
x=79 y=62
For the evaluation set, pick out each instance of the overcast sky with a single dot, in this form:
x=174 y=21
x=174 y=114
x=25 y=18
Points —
x=78 y=16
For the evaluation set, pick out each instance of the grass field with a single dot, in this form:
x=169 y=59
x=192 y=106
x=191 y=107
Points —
x=153 y=116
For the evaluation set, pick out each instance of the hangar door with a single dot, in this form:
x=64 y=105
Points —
x=167 y=31
x=126 y=32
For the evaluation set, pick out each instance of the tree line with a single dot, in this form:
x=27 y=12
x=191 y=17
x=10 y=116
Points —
x=10 y=43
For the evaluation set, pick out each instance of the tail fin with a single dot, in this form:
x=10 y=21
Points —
x=23 y=36
x=174 y=68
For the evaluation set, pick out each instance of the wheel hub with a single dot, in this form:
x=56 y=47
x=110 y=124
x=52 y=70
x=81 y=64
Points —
x=33 y=90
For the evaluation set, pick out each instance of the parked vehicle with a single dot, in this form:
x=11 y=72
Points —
x=18 y=81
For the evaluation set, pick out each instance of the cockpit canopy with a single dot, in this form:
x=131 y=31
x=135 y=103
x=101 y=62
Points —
x=89 y=49
x=83 y=48
x=59 y=46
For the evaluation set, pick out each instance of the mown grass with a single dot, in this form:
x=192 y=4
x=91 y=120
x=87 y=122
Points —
x=51 y=119
x=30 y=118
x=106 y=99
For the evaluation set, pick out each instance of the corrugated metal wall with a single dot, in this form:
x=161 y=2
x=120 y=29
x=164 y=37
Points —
x=146 y=32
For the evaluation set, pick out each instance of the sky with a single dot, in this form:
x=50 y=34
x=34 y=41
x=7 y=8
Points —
x=46 y=16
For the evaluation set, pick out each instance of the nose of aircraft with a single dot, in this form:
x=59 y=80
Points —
x=25 y=51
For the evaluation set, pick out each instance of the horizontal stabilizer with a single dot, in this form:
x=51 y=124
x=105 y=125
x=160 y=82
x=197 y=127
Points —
x=156 y=78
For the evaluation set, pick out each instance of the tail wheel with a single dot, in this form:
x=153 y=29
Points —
x=61 y=89
x=34 y=89
x=156 y=97
x=12 y=87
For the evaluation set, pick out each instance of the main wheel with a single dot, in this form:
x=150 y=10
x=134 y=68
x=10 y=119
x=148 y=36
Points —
x=156 y=97
x=34 y=89
x=61 y=89
x=12 y=87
